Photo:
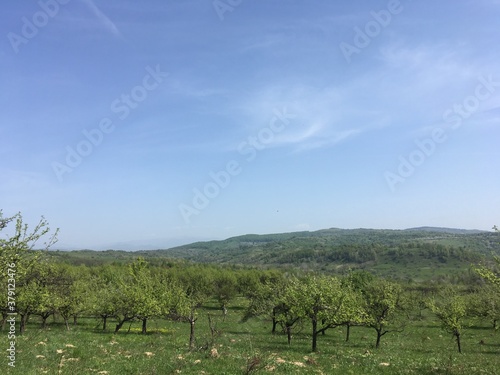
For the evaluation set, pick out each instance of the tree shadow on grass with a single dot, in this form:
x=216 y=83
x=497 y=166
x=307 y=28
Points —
x=488 y=352
x=482 y=328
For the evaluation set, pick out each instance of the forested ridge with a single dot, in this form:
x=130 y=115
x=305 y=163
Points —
x=418 y=254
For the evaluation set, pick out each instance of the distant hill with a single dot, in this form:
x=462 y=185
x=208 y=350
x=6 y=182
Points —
x=447 y=230
x=474 y=240
x=415 y=253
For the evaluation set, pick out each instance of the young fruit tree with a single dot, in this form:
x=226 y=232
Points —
x=193 y=286
x=325 y=301
x=485 y=304
x=225 y=286
x=450 y=307
x=144 y=289
x=20 y=265
x=385 y=307
x=103 y=301
x=490 y=306
x=265 y=295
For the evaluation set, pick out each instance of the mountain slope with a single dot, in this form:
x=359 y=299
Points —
x=417 y=253
x=401 y=252
x=447 y=230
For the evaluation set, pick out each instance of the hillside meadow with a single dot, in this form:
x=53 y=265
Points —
x=244 y=348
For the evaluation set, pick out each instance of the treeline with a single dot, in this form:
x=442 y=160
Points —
x=320 y=254
x=262 y=248
x=278 y=254
x=436 y=250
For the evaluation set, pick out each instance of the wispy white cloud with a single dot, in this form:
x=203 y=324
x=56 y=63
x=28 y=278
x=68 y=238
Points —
x=330 y=140
x=323 y=117
x=104 y=20
x=434 y=77
x=443 y=63
x=191 y=90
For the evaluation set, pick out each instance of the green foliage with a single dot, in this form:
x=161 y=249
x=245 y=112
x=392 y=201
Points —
x=29 y=267
x=485 y=304
x=451 y=309
x=264 y=293
x=344 y=246
x=326 y=301
x=490 y=274
x=385 y=307
x=104 y=300
x=225 y=284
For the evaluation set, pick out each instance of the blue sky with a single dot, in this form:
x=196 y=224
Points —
x=148 y=124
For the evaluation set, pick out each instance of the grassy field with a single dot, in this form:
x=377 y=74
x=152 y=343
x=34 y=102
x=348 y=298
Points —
x=249 y=348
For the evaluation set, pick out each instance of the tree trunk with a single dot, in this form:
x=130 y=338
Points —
x=224 y=313
x=379 y=336
x=119 y=325
x=75 y=319
x=104 y=321
x=24 y=320
x=457 y=335
x=212 y=329
x=191 y=333
x=4 y=319
x=44 y=321
x=122 y=322
x=348 y=331
x=66 y=322
x=289 y=334
x=275 y=323
x=314 y=334
x=144 y=326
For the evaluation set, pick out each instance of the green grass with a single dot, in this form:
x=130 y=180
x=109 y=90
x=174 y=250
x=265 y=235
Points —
x=418 y=268
x=422 y=348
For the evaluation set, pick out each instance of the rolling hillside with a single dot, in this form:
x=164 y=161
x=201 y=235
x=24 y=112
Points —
x=417 y=253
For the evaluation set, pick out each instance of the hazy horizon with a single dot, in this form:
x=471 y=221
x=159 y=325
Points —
x=171 y=243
